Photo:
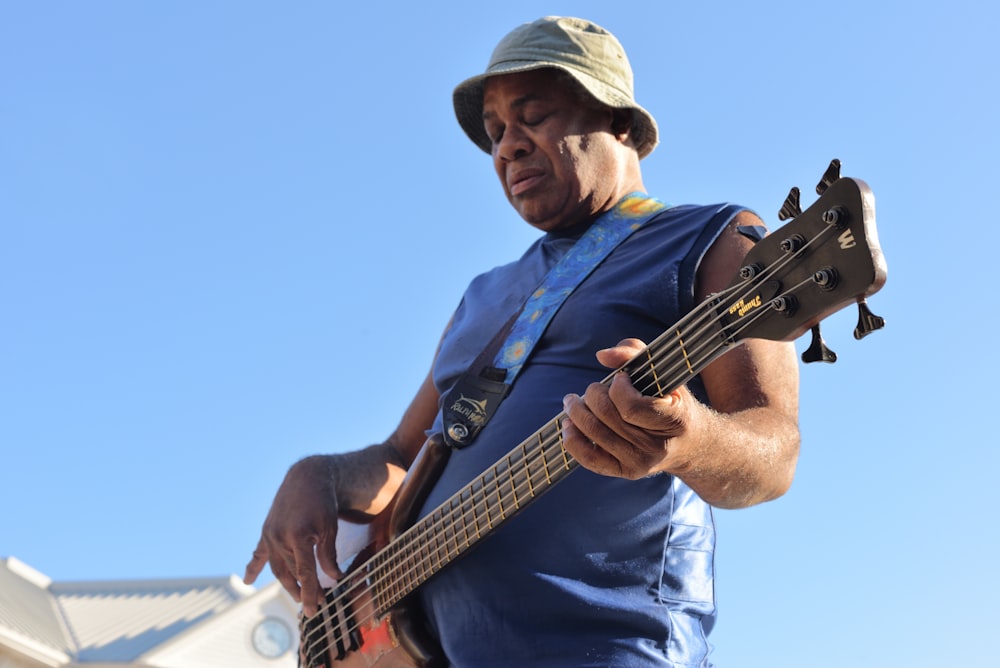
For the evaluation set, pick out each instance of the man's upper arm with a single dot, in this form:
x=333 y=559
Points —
x=410 y=435
x=759 y=373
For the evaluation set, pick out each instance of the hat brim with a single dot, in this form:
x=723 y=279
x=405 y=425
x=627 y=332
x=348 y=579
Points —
x=468 y=102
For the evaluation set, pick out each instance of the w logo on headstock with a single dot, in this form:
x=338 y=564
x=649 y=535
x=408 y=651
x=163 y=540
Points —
x=847 y=240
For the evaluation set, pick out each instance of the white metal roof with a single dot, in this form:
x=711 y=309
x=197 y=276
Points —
x=119 y=621
x=126 y=622
x=29 y=618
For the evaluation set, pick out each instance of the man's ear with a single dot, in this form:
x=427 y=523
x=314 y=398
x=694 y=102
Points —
x=621 y=122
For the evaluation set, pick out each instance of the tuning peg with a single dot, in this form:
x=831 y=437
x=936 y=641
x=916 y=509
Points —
x=868 y=322
x=832 y=174
x=817 y=350
x=791 y=207
x=752 y=232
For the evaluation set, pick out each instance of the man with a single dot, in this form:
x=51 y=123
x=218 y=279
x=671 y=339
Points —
x=613 y=567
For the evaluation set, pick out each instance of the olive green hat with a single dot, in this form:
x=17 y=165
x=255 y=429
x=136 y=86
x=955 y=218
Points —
x=586 y=51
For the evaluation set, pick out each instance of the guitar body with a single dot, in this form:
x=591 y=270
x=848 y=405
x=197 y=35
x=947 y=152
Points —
x=378 y=646
x=396 y=638
x=825 y=259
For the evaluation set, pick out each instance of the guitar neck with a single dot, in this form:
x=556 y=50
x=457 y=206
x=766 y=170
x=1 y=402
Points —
x=530 y=469
x=824 y=259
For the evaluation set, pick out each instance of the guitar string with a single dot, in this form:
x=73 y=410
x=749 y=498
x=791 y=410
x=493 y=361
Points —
x=436 y=519
x=514 y=486
x=493 y=475
x=446 y=513
x=435 y=553
x=484 y=480
x=477 y=489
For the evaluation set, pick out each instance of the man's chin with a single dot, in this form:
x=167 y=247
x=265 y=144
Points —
x=535 y=215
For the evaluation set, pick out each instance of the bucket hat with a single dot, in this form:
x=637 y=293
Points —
x=584 y=50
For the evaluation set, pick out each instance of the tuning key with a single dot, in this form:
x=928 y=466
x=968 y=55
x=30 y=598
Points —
x=832 y=174
x=818 y=350
x=868 y=322
x=791 y=207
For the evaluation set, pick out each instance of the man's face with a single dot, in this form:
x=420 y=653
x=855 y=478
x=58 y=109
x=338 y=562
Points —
x=553 y=148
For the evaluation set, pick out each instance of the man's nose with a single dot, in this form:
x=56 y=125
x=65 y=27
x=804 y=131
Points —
x=514 y=144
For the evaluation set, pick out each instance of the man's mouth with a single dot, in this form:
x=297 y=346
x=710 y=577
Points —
x=525 y=180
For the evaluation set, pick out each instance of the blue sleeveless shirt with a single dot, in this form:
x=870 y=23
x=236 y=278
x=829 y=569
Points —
x=598 y=571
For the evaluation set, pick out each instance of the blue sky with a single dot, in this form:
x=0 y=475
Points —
x=232 y=233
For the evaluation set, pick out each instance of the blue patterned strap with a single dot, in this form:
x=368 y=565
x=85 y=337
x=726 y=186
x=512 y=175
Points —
x=607 y=232
x=474 y=398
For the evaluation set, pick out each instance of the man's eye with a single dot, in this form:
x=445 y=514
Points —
x=494 y=134
x=535 y=119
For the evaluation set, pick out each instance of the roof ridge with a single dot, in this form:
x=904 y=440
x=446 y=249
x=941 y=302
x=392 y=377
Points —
x=230 y=583
x=35 y=577
x=29 y=610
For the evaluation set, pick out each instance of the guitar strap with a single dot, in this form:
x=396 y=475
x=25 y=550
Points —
x=478 y=393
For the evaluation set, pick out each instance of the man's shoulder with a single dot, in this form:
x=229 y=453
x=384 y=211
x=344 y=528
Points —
x=530 y=263
x=691 y=220
x=705 y=211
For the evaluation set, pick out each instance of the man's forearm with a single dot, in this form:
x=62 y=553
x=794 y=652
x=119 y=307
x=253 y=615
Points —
x=366 y=480
x=746 y=458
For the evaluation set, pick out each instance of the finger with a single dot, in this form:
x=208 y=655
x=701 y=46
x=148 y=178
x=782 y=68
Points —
x=305 y=572
x=653 y=414
x=598 y=435
x=256 y=565
x=593 y=414
x=587 y=453
x=279 y=567
x=620 y=353
x=326 y=554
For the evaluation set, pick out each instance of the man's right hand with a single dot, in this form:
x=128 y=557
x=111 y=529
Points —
x=300 y=529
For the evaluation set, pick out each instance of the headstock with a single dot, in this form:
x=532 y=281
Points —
x=822 y=260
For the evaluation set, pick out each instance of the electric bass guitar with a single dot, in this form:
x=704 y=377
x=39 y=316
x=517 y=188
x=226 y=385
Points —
x=824 y=259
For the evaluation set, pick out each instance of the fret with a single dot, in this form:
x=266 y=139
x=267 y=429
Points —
x=430 y=540
x=398 y=577
x=391 y=583
x=387 y=583
x=392 y=586
x=406 y=568
x=522 y=476
x=562 y=451
x=475 y=513
x=419 y=548
x=413 y=560
x=537 y=471
x=449 y=531
x=441 y=538
x=496 y=484
x=424 y=552
x=436 y=550
x=393 y=560
x=465 y=523
x=377 y=592
x=652 y=370
x=415 y=563
x=524 y=458
x=513 y=484
x=545 y=458
x=680 y=342
x=486 y=503
x=457 y=526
